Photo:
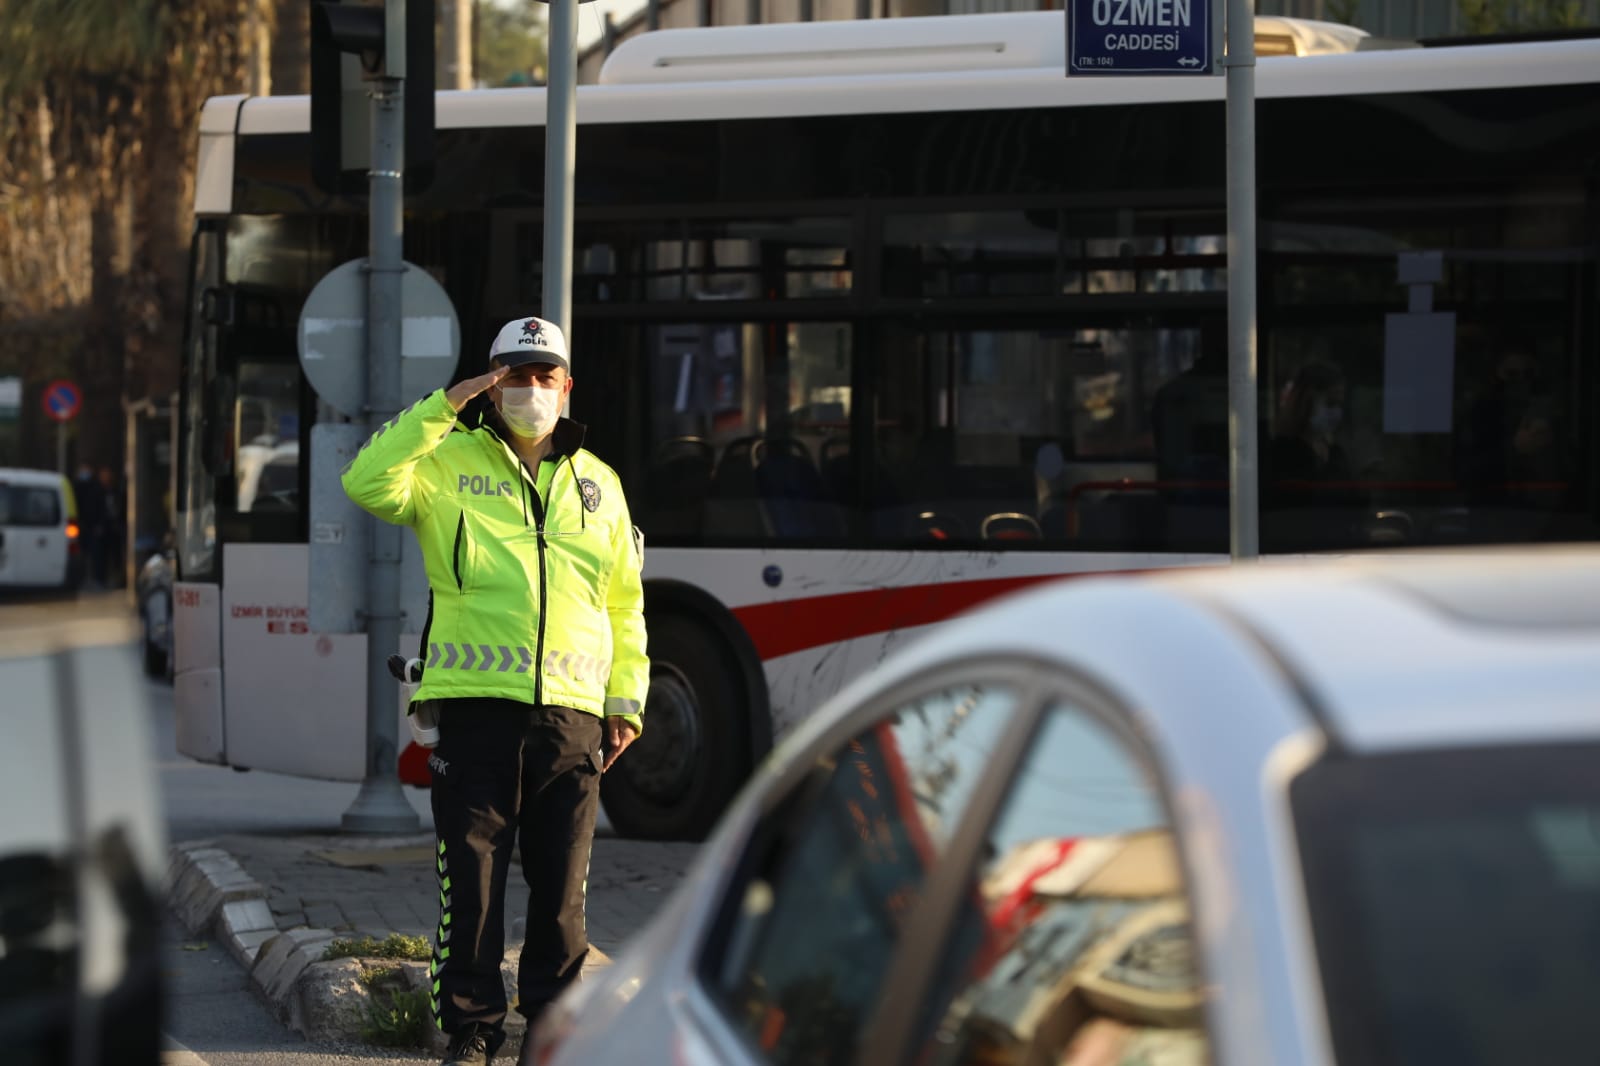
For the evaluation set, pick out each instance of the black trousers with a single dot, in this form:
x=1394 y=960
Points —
x=507 y=772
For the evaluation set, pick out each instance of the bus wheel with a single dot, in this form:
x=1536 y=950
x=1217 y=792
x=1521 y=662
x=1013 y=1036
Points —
x=677 y=778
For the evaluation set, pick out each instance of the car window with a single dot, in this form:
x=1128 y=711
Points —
x=27 y=505
x=1073 y=947
x=838 y=870
x=1454 y=898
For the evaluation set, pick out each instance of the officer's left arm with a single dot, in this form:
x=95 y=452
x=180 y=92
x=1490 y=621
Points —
x=630 y=666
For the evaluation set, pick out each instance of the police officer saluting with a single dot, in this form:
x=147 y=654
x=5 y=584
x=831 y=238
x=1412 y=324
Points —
x=534 y=662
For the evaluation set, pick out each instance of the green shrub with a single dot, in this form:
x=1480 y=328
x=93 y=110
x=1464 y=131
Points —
x=397 y=1017
x=379 y=975
x=393 y=946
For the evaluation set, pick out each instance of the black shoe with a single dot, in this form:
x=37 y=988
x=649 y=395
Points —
x=476 y=1045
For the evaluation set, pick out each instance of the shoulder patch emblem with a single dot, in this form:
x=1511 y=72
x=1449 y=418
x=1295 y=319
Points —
x=591 y=494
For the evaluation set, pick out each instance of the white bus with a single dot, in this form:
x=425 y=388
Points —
x=880 y=320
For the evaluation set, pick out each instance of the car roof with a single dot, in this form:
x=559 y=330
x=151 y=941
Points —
x=12 y=475
x=1382 y=651
x=1439 y=649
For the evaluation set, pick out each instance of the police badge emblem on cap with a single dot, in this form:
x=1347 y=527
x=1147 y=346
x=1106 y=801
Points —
x=591 y=494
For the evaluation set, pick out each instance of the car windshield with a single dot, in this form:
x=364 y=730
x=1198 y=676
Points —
x=1455 y=901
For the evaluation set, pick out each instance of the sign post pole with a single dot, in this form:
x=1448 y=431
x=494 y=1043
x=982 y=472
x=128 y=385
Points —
x=61 y=402
x=1177 y=37
x=1244 y=510
x=560 y=163
x=381 y=806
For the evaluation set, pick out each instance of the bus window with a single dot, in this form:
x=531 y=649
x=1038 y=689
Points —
x=713 y=259
x=1147 y=251
x=1046 y=435
x=969 y=253
x=1425 y=379
x=197 y=529
x=267 y=426
x=744 y=419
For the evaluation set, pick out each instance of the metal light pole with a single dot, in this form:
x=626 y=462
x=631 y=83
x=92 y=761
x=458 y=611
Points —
x=381 y=805
x=560 y=162
x=1244 y=511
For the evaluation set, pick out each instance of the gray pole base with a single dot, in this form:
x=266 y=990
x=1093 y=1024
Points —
x=380 y=807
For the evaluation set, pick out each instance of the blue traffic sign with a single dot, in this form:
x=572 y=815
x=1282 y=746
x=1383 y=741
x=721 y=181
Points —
x=62 y=400
x=1139 y=37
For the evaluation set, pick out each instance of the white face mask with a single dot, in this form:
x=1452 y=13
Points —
x=530 y=412
x=1325 y=418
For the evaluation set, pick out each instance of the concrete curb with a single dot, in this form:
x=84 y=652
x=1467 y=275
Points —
x=213 y=896
x=175 y=1054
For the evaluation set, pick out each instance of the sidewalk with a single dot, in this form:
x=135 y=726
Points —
x=277 y=902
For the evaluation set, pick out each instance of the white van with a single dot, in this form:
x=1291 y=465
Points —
x=39 y=544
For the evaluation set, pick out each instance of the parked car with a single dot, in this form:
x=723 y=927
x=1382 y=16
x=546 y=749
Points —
x=1279 y=815
x=82 y=850
x=39 y=535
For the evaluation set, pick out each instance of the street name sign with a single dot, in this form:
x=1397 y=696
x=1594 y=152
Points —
x=1142 y=37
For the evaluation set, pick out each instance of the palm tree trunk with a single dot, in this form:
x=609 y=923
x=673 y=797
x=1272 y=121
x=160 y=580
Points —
x=291 y=47
x=100 y=421
x=45 y=119
x=160 y=209
x=455 y=45
x=258 y=47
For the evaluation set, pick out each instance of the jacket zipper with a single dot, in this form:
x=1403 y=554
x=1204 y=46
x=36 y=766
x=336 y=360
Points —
x=455 y=553
x=538 y=644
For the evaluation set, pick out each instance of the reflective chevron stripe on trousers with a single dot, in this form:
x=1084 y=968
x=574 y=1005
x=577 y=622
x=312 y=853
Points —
x=506 y=773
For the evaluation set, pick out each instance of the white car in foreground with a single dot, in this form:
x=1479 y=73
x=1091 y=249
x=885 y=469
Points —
x=1344 y=813
x=82 y=848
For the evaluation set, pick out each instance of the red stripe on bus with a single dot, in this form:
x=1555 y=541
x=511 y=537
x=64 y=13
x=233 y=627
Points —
x=796 y=625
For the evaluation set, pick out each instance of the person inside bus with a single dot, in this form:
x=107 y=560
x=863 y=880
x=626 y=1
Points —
x=1189 y=426
x=1511 y=442
x=1305 y=445
x=1189 y=416
x=536 y=679
x=1302 y=507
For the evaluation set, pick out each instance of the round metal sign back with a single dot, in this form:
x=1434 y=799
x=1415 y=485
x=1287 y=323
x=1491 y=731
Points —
x=333 y=336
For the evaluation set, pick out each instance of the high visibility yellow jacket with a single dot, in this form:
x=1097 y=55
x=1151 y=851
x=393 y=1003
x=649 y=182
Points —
x=537 y=594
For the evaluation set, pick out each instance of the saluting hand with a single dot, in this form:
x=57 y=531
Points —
x=619 y=734
x=462 y=391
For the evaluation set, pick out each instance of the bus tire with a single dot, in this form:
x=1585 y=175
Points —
x=678 y=777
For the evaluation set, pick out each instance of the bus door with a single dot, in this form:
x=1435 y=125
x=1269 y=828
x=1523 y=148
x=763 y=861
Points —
x=265 y=692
